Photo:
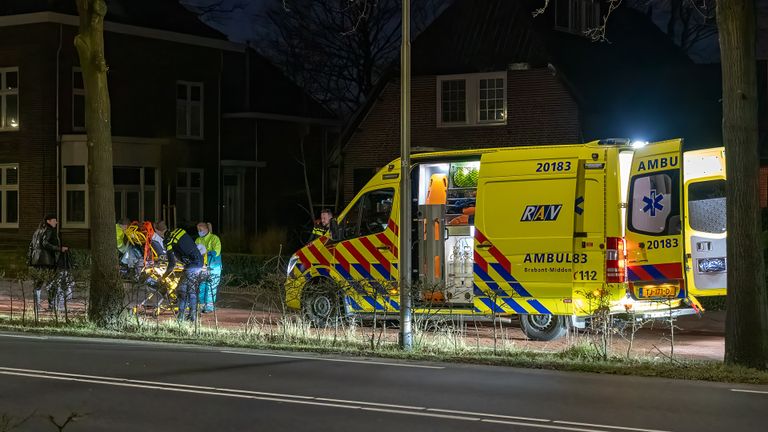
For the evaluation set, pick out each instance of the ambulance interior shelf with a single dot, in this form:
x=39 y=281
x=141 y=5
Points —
x=452 y=184
x=449 y=190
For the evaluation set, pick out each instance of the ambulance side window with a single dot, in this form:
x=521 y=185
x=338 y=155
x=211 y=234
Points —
x=654 y=206
x=370 y=214
x=706 y=206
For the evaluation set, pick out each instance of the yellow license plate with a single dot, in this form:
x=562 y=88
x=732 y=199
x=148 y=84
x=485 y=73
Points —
x=658 y=292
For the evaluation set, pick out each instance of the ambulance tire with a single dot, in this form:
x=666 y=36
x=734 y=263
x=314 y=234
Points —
x=322 y=303
x=544 y=327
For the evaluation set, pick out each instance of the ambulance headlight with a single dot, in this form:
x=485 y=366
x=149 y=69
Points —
x=711 y=265
x=291 y=265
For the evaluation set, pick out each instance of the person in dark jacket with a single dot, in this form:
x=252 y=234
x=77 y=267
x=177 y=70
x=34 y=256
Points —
x=44 y=252
x=180 y=246
x=326 y=226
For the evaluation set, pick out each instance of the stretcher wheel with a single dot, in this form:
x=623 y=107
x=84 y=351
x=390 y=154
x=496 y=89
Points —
x=544 y=327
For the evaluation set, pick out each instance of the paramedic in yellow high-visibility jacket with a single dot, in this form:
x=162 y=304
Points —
x=212 y=244
x=122 y=240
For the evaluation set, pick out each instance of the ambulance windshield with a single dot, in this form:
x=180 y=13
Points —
x=706 y=206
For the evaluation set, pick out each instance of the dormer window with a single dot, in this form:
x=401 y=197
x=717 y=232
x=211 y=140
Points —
x=577 y=16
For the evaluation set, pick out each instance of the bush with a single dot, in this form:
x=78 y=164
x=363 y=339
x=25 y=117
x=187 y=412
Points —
x=245 y=269
x=13 y=262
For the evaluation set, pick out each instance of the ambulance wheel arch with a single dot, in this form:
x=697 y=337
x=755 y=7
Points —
x=322 y=302
x=544 y=327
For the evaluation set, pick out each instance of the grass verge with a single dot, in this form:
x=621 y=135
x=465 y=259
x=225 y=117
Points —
x=577 y=358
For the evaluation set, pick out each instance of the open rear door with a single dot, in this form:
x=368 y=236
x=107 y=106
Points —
x=705 y=236
x=655 y=250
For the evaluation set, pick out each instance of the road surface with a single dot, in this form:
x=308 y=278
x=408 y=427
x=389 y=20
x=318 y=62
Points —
x=134 y=386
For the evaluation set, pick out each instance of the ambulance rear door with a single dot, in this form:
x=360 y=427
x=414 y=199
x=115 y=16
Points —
x=655 y=249
x=705 y=235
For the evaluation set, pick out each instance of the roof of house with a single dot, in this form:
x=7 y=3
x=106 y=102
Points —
x=472 y=36
x=639 y=84
x=273 y=92
x=167 y=15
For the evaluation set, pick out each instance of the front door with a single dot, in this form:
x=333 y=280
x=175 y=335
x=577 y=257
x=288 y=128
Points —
x=366 y=255
x=654 y=225
x=232 y=199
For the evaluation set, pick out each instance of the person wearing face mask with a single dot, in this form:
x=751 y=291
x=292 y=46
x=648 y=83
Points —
x=211 y=243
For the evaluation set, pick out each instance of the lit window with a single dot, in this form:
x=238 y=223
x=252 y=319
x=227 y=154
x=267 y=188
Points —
x=9 y=99
x=9 y=196
x=472 y=99
x=189 y=110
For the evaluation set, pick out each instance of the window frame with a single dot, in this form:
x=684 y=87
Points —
x=361 y=204
x=64 y=202
x=4 y=189
x=4 y=93
x=78 y=92
x=467 y=115
x=188 y=191
x=472 y=99
x=188 y=103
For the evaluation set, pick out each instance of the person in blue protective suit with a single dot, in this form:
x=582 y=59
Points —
x=212 y=246
x=180 y=246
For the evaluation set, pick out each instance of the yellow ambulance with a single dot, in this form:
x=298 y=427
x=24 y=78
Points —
x=550 y=233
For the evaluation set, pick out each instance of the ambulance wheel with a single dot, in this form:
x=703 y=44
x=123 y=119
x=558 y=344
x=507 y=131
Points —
x=322 y=304
x=543 y=327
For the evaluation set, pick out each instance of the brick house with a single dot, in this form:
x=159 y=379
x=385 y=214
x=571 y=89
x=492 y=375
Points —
x=172 y=82
x=489 y=74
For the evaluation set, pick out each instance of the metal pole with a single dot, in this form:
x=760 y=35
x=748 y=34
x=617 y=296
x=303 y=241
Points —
x=406 y=337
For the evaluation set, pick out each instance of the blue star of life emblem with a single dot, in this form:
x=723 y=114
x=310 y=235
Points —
x=653 y=203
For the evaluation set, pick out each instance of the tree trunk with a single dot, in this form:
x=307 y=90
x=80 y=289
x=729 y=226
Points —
x=105 y=305
x=746 y=325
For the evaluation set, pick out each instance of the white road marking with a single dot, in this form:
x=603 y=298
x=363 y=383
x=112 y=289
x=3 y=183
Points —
x=490 y=415
x=608 y=427
x=373 y=403
x=421 y=413
x=315 y=401
x=749 y=391
x=542 y=426
x=334 y=360
x=23 y=336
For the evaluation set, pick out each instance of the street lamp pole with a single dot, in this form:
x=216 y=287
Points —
x=406 y=335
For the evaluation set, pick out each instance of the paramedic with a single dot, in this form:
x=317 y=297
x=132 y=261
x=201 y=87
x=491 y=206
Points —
x=122 y=240
x=212 y=246
x=327 y=227
x=180 y=246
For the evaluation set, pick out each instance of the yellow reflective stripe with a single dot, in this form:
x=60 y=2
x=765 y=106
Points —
x=175 y=236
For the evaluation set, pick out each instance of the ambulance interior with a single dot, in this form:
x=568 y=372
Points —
x=447 y=194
